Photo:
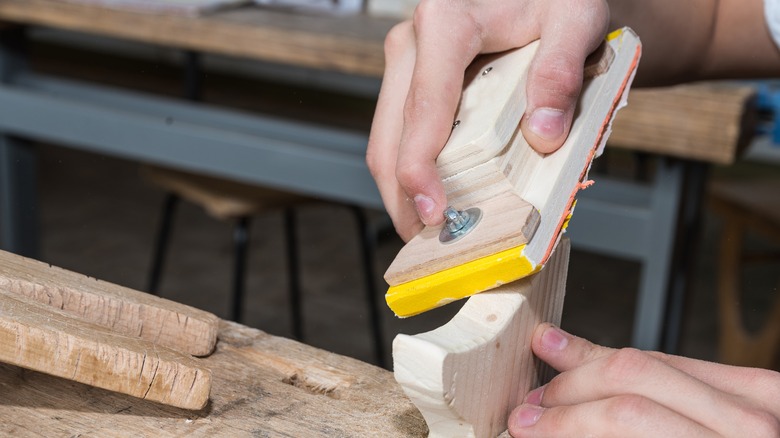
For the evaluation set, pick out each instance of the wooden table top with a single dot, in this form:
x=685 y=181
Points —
x=703 y=122
x=350 y=44
x=262 y=386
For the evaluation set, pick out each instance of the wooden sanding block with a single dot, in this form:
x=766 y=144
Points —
x=509 y=203
x=69 y=325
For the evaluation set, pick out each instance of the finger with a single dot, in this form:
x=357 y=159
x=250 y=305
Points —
x=386 y=128
x=436 y=84
x=570 y=32
x=759 y=385
x=633 y=372
x=564 y=351
x=621 y=416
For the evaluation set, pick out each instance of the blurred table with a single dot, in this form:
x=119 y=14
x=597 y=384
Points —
x=683 y=128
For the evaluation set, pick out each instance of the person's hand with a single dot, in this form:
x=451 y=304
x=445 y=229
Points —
x=606 y=392
x=425 y=62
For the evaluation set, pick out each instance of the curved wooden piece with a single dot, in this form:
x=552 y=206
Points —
x=467 y=376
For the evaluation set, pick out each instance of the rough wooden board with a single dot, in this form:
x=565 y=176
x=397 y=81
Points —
x=120 y=309
x=706 y=121
x=252 y=395
x=468 y=375
x=39 y=337
x=350 y=44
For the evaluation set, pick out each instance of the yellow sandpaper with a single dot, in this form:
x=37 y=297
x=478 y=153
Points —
x=417 y=296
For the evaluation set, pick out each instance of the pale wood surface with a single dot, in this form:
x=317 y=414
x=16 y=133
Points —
x=468 y=375
x=42 y=338
x=350 y=44
x=122 y=310
x=706 y=121
x=262 y=386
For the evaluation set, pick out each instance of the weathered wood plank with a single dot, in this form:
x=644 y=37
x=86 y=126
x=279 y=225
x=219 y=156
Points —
x=350 y=44
x=39 y=337
x=120 y=309
x=262 y=386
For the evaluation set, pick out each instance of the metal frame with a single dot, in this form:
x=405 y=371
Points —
x=626 y=220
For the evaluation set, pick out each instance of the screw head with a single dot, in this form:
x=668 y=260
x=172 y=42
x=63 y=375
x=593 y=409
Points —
x=458 y=223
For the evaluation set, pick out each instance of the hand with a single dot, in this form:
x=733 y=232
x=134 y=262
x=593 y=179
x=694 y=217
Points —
x=425 y=62
x=606 y=392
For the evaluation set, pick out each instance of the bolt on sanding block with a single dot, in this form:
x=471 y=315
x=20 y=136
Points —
x=509 y=204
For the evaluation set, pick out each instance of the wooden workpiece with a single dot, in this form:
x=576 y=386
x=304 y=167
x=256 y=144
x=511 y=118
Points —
x=468 y=375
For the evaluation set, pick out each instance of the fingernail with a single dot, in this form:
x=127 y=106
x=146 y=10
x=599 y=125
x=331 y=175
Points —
x=554 y=339
x=424 y=206
x=527 y=415
x=546 y=123
x=535 y=397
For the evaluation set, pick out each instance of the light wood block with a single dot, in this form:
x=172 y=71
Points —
x=468 y=375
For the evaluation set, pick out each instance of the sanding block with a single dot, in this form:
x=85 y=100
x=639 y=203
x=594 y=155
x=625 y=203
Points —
x=509 y=203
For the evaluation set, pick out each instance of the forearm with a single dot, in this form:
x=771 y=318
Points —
x=699 y=39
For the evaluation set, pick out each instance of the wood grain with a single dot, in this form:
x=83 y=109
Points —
x=707 y=121
x=122 y=310
x=254 y=393
x=349 y=44
x=467 y=376
x=41 y=338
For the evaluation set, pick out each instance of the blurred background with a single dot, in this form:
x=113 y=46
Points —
x=100 y=214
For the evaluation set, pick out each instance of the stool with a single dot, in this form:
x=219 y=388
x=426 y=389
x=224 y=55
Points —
x=237 y=202
x=755 y=206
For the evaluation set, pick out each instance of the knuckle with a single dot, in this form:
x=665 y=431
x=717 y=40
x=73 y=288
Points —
x=426 y=11
x=626 y=366
x=397 y=40
x=407 y=174
x=558 y=74
x=627 y=410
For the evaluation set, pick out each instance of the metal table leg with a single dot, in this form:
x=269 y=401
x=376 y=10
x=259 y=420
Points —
x=18 y=161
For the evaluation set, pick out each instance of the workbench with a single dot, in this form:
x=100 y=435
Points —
x=262 y=386
x=639 y=221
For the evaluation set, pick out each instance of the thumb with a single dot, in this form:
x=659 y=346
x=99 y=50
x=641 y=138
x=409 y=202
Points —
x=555 y=81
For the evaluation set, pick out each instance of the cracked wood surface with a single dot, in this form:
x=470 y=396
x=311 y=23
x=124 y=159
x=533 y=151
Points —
x=122 y=310
x=42 y=338
x=262 y=386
